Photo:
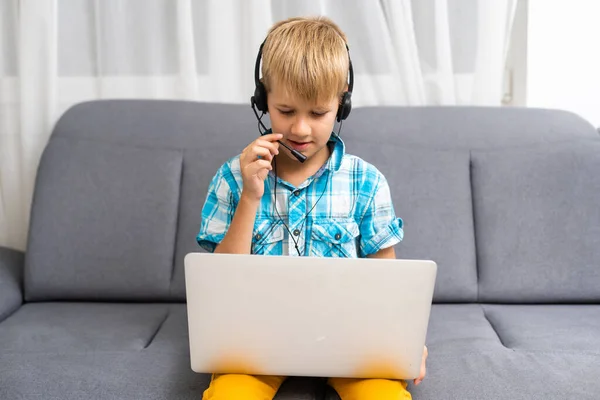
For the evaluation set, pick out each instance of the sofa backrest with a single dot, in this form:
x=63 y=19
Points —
x=118 y=196
x=504 y=200
x=537 y=218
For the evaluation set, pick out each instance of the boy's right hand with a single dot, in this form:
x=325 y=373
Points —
x=254 y=169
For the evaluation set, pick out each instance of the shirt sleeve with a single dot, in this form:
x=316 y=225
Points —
x=379 y=226
x=217 y=212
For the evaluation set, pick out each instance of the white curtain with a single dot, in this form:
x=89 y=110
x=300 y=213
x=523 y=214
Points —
x=55 y=53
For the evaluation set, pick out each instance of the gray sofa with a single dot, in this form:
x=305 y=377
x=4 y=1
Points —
x=507 y=201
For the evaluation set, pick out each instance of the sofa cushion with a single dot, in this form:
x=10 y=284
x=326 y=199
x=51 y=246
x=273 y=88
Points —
x=493 y=375
x=199 y=167
x=172 y=336
x=509 y=374
x=62 y=327
x=122 y=375
x=110 y=375
x=103 y=222
x=459 y=328
x=555 y=328
x=537 y=222
x=431 y=193
x=64 y=350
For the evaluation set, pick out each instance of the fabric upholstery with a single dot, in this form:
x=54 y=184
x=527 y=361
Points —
x=63 y=350
x=464 y=128
x=431 y=193
x=460 y=328
x=11 y=281
x=81 y=327
x=508 y=374
x=106 y=375
x=538 y=222
x=560 y=328
x=135 y=375
x=464 y=350
x=114 y=375
x=199 y=166
x=103 y=222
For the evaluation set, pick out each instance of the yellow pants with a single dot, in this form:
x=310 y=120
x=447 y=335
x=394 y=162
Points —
x=248 y=387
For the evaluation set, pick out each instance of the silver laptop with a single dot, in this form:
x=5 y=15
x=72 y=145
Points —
x=307 y=316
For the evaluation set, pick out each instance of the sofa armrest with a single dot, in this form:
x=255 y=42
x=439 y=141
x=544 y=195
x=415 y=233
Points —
x=11 y=281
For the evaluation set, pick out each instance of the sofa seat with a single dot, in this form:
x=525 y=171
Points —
x=134 y=350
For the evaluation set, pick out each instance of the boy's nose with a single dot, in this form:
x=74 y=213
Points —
x=300 y=127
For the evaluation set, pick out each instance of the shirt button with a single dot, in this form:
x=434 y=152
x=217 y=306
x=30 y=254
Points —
x=338 y=236
x=296 y=232
x=296 y=193
x=258 y=236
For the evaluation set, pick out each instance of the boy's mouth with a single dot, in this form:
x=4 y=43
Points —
x=300 y=146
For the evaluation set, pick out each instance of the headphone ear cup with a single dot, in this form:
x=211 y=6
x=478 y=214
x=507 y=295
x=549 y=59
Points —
x=260 y=98
x=345 y=107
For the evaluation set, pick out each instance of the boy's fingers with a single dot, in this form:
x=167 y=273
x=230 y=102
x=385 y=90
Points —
x=420 y=378
x=423 y=371
x=264 y=164
x=257 y=165
x=422 y=374
x=272 y=146
x=272 y=137
x=261 y=151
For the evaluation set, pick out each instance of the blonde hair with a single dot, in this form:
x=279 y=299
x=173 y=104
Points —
x=308 y=56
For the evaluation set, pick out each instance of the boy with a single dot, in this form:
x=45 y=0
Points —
x=265 y=201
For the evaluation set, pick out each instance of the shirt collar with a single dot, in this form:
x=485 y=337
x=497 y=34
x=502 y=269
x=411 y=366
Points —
x=337 y=153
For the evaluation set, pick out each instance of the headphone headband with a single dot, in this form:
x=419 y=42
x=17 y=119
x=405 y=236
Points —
x=257 y=64
x=350 y=71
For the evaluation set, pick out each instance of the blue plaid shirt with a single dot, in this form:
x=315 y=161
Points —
x=348 y=202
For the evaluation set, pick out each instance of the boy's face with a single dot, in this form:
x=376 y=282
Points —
x=306 y=126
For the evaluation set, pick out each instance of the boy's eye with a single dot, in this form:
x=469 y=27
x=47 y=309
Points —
x=313 y=113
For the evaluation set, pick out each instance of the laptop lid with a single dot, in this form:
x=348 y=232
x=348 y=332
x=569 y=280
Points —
x=308 y=316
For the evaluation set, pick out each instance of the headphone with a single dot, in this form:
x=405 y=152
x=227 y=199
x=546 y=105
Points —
x=260 y=92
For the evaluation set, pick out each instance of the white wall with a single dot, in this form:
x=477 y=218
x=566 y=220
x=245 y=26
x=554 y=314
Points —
x=563 y=56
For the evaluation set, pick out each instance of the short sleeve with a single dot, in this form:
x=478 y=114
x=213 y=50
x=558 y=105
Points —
x=217 y=212
x=379 y=226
